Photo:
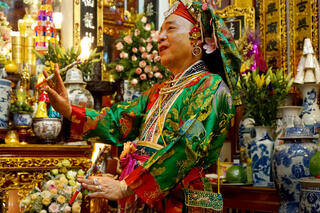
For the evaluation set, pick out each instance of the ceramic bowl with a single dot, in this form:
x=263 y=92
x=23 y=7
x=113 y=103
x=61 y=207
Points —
x=47 y=129
x=22 y=119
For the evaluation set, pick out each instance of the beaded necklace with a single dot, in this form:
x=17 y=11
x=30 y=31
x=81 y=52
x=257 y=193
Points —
x=167 y=96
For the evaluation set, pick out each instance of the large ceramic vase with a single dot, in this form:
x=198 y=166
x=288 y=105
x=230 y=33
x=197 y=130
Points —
x=310 y=113
x=310 y=195
x=260 y=151
x=5 y=88
x=290 y=163
x=78 y=95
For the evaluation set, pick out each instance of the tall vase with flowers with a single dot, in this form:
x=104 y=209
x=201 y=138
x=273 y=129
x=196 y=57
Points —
x=262 y=93
x=139 y=60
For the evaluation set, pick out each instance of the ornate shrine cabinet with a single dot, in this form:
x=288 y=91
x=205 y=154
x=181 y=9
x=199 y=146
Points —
x=22 y=167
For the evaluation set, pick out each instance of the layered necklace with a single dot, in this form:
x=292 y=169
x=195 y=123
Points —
x=167 y=96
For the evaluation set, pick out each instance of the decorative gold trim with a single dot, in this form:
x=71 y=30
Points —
x=100 y=23
x=171 y=2
x=310 y=14
x=149 y=144
x=233 y=11
x=279 y=17
x=76 y=23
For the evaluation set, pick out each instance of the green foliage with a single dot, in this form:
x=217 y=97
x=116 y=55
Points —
x=263 y=93
x=138 y=60
x=58 y=55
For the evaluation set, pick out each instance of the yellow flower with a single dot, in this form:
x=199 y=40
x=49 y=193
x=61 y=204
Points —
x=53 y=191
x=76 y=207
x=79 y=197
x=61 y=186
x=61 y=199
x=46 y=201
x=33 y=196
x=259 y=79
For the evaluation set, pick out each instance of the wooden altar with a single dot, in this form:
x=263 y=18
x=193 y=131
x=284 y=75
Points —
x=22 y=167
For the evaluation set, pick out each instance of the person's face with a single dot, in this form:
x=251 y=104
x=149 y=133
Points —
x=174 y=44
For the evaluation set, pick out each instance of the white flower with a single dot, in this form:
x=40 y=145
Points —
x=144 y=19
x=134 y=82
x=76 y=208
x=147 y=27
x=147 y=69
x=158 y=75
x=54 y=208
x=150 y=74
x=119 y=46
x=67 y=209
x=71 y=174
x=45 y=194
x=135 y=50
x=68 y=190
x=128 y=39
x=43 y=211
x=155 y=52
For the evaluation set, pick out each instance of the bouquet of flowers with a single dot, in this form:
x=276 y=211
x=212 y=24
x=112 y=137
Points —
x=58 y=55
x=54 y=194
x=262 y=93
x=139 y=61
x=5 y=39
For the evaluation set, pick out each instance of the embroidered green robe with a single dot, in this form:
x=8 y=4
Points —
x=194 y=131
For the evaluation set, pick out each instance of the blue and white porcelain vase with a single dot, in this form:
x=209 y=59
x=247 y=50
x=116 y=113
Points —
x=5 y=89
x=310 y=195
x=260 y=151
x=311 y=112
x=290 y=163
x=22 y=119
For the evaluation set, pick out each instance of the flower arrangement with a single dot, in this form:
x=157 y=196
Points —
x=262 y=93
x=54 y=193
x=58 y=55
x=5 y=39
x=139 y=60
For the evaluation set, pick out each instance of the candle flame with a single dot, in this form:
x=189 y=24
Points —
x=85 y=48
x=96 y=151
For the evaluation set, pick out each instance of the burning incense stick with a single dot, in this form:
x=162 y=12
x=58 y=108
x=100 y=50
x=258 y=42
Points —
x=101 y=151
x=61 y=70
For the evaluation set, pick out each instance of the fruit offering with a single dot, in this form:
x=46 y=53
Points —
x=19 y=107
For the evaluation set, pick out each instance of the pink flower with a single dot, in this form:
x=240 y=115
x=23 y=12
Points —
x=138 y=70
x=124 y=55
x=155 y=35
x=143 y=40
x=137 y=32
x=150 y=74
x=52 y=186
x=119 y=46
x=142 y=64
x=157 y=58
x=134 y=58
x=54 y=208
x=155 y=52
x=144 y=19
x=147 y=27
x=135 y=50
x=155 y=68
x=134 y=82
x=149 y=39
x=158 y=75
x=150 y=57
x=210 y=45
x=142 y=49
x=143 y=76
x=149 y=47
x=144 y=55
x=68 y=190
x=204 y=6
x=147 y=69
x=1 y=15
x=119 y=68
x=128 y=39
